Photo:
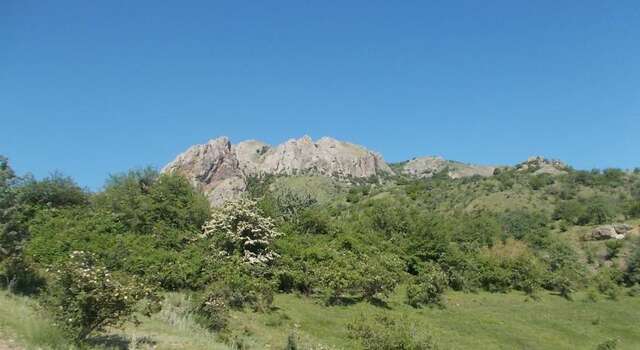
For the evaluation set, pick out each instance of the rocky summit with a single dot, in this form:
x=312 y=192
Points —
x=424 y=167
x=540 y=165
x=221 y=169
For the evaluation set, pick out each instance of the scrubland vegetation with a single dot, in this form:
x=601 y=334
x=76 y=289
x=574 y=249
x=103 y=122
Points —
x=313 y=263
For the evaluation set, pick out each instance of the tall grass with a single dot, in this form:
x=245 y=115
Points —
x=21 y=319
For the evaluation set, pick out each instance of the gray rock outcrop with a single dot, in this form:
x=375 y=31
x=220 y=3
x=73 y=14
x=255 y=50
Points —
x=610 y=232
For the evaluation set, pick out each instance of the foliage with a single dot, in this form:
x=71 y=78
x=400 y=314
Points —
x=21 y=199
x=85 y=298
x=632 y=273
x=382 y=332
x=379 y=275
x=54 y=191
x=238 y=227
x=212 y=311
x=233 y=288
x=146 y=202
x=428 y=287
x=609 y=344
x=613 y=248
x=607 y=282
x=348 y=275
x=20 y=277
x=565 y=270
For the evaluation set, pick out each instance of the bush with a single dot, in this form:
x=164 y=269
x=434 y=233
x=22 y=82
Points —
x=85 y=298
x=233 y=289
x=381 y=332
x=211 y=311
x=380 y=275
x=239 y=228
x=148 y=203
x=609 y=344
x=607 y=282
x=19 y=277
x=428 y=287
x=632 y=272
x=569 y=211
x=613 y=248
x=598 y=212
x=565 y=270
x=54 y=191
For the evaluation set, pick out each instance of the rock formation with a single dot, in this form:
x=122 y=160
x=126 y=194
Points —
x=540 y=165
x=424 y=167
x=615 y=231
x=220 y=169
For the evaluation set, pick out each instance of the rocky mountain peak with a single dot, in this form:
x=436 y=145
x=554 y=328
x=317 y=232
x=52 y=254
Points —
x=542 y=165
x=221 y=169
x=424 y=167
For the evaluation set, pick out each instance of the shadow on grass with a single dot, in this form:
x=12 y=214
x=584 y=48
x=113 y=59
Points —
x=118 y=341
x=379 y=303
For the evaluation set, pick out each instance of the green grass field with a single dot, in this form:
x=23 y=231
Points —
x=469 y=321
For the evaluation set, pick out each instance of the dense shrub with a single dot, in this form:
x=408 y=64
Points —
x=428 y=287
x=569 y=211
x=146 y=202
x=537 y=182
x=479 y=230
x=613 y=248
x=343 y=275
x=633 y=208
x=53 y=191
x=607 y=282
x=566 y=273
x=85 y=298
x=532 y=227
x=598 y=211
x=510 y=265
x=381 y=332
x=379 y=275
x=20 y=277
x=239 y=228
x=234 y=288
x=632 y=273
x=211 y=311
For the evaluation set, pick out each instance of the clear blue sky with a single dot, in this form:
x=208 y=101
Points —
x=95 y=87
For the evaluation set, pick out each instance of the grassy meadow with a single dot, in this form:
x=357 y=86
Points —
x=468 y=321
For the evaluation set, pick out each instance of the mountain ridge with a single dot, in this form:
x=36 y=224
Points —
x=221 y=169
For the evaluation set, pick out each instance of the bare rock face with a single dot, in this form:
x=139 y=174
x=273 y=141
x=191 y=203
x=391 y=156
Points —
x=212 y=168
x=327 y=156
x=424 y=167
x=608 y=232
x=250 y=155
x=540 y=165
x=220 y=170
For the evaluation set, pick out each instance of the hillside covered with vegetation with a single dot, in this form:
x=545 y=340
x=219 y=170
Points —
x=514 y=260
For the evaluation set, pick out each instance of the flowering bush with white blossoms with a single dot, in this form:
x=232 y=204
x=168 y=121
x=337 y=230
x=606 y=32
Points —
x=240 y=227
x=85 y=298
